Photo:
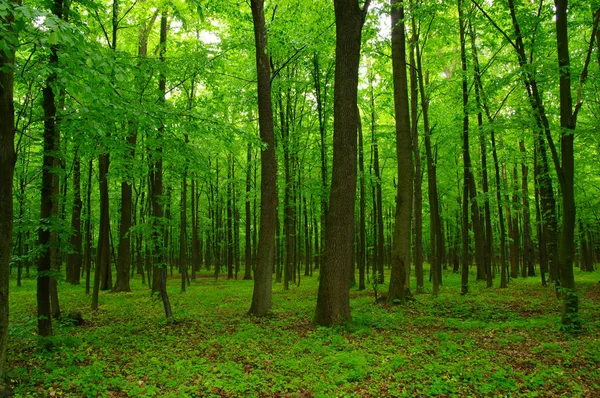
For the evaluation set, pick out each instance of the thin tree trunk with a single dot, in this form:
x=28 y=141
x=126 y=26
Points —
x=74 y=258
x=418 y=182
x=362 y=244
x=248 y=248
x=528 y=256
x=378 y=267
x=487 y=235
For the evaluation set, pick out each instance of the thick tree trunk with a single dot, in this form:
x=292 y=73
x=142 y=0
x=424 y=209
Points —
x=261 y=297
x=7 y=168
x=399 y=287
x=50 y=150
x=568 y=119
x=333 y=302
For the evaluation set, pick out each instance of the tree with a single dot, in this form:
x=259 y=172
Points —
x=565 y=171
x=7 y=168
x=261 y=297
x=333 y=301
x=399 y=287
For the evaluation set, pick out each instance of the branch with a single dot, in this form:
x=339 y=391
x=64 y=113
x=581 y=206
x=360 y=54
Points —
x=485 y=14
x=584 y=72
x=127 y=12
x=102 y=26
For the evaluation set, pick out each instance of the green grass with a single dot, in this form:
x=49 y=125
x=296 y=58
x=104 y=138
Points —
x=491 y=342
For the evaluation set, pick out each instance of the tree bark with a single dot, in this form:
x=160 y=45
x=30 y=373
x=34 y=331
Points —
x=418 y=182
x=528 y=255
x=399 y=287
x=8 y=158
x=74 y=259
x=568 y=120
x=261 y=297
x=248 y=246
x=50 y=150
x=333 y=301
x=378 y=266
x=362 y=239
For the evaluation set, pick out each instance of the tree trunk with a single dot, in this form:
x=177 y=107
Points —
x=333 y=302
x=7 y=167
x=50 y=131
x=568 y=120
x=400 y=261
x=487 y=235
x=528 y=257
x=248 y=248
x=156 y=187
x=378 y=267
x=74 y=259
x=261 y=297
x=362 y=246
x=418 y=182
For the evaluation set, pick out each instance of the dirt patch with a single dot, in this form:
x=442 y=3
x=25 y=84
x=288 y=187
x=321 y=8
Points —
x=593 y=293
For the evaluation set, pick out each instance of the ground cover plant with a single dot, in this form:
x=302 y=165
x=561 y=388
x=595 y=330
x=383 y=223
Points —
x=492 y=342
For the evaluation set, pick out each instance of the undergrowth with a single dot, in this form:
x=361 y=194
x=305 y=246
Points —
x=491 y=342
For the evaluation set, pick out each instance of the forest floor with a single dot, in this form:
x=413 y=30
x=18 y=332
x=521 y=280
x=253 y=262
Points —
x=491 y=342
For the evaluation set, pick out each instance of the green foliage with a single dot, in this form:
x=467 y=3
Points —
x=492 y=342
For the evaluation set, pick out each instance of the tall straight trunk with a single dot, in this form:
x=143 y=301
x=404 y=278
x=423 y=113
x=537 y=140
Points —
x=194 y=216
x=540 y=229
x=418 y=182
x=8 y=158
x=124 y=253
x=399 y=287
x=321 y=97
x=236 y=226
x=87 y=248
x=156 y=178
x=436 y=237
x=378 y=267
x=479 y=86
x=333 y=301
x=568 y=121
x=528 y=268
x=74 y=259
x=44 y=265
x=261 y=296
x=515 y=221
x=487 y=234
x=229 y=212
x=468 y=178
x=307 y=239
x=543 y=129
x=289 y=216
x=248 y=237
x=362 y=240
x=183 y=266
